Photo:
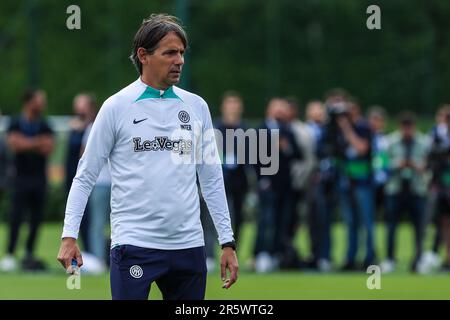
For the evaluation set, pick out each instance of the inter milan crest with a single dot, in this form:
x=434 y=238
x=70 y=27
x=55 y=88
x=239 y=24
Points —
x=183 y=116
x=136 y=271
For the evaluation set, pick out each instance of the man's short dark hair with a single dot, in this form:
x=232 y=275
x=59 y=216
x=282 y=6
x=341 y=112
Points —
x=337 y=92
x=353 y=100
x=377 y=111
x=407 y=118
x=231 y=94
x=29 y=94
x=151 y=31
x=293 y=102
x=92 y=98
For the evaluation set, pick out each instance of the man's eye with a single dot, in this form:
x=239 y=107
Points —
x=174 y=52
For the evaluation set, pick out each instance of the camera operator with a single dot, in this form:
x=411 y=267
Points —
x=345 y=170
x=328 y=148
x=355 y=187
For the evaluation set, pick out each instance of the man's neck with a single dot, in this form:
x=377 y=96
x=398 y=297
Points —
x=29 y=115
x=230 y=121
x=152 y=83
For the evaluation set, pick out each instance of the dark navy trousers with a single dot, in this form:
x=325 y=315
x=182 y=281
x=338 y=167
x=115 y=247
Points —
x=179 y=274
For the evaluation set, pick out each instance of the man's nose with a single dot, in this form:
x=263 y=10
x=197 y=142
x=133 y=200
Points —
x=179 y=61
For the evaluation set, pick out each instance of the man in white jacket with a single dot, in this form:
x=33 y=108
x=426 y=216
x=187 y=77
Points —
x=148 y=133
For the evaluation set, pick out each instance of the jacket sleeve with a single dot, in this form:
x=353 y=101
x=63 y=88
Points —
x=99 y=145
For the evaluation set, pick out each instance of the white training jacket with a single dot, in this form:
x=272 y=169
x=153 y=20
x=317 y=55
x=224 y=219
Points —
x=156 y=142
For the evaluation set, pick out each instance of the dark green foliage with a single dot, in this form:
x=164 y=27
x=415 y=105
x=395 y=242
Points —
x=261 y=48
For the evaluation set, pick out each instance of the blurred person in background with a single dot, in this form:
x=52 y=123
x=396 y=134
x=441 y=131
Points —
x=377 y=123
x=301 y=169
x=273 y=243
x=355 y=186
x=439 y=164
x=84 y=112
x=3 y=164
x=99 y=207
x=234 y=173
x=31 y=140
x=209 y=233
x=315 y=119
x=406 y=187
x=329 y=149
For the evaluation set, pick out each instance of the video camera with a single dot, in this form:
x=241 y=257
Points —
x=335 y=111
x=333 y=143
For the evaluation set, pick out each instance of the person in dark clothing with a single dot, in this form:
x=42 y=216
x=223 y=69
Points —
x=329 y=149
x=315 y=117
x=356 y=185
x=210 y=235
x=344 y=152
x=274 y=241
x=301 y=178
x=234 y=173
x=439 y=164
x=31 y=140
x=3 y=165
x=84 y=111
x=377 y=121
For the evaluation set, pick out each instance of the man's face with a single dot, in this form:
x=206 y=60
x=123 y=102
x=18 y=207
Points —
x=376 y=122
x=82 y=107
x=278 y=110
x=291 y=113
x=443 y=117
x=232 y=108
x=354 y=112
x=38 y=102
x=164 y=65
x=315 y=112
x=407 y=131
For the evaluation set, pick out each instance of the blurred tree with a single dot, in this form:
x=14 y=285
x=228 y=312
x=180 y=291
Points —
x=260 y=48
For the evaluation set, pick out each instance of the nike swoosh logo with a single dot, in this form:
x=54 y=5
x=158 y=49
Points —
x=137 y=121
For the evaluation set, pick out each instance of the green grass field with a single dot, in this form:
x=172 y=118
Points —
x=280 y=285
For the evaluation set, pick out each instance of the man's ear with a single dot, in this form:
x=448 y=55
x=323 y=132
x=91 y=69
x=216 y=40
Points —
x=142 y=55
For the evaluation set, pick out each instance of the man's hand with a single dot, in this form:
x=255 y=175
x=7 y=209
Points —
x=284 y=144
x=228 y=261
x=344 y=123
x=69 y=250
x=404 y=164
x=360 y=144
x=18 y=142
x=44 y=144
